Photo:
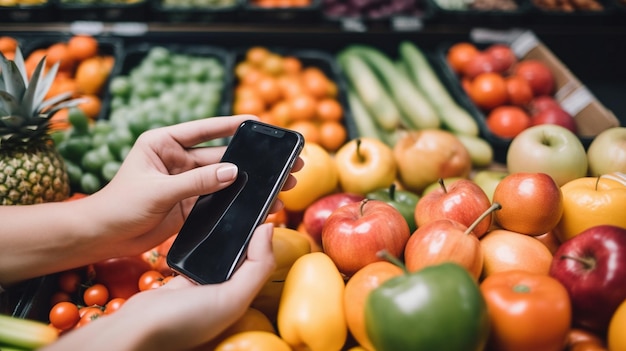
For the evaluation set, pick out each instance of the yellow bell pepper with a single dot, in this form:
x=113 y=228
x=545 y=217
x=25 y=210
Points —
x=311 y=312
x=591 y=201
x=253 y=341
x=288 y=245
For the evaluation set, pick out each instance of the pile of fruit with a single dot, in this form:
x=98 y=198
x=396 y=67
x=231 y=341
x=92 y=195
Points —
x=284 y=91
x=514 y=94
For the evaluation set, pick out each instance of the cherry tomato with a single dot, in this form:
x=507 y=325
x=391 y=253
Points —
x=60 y=296
x=538 y=75
x=507 y=121
x=528 y=311
x=97 y=294
x=503 y=56
x=64 y=315
x=150 y=280
x=488 y=90
x=114 y=305
x=479 y=64
x=459 y=54
x=88 y=315
x=69 y=281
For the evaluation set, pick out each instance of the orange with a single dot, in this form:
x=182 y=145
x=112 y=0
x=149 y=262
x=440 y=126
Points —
x=61 y=84
x=315 y=82
x=60 y=120
x=253 y=105
x=8 y=45
x=273 y=64
x=504 y=250
x=290 y=86
x=268 y=89
x=302 y=107
x=281 y=113
x=256 y=55
x=332 y=135
x=329 y=109
x=82 y=47
x=251 y=77
x=308 y=129
x=59 y=52
x=357 y=288
x=244 y=91
x=292 y=65
x=91 y=105
x=32 y=60
x=91 y=75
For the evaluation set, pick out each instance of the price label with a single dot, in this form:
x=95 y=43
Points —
x=353 y=25
x=87 y=27
x=129 y=29
x=577 y=100
x=406 y=24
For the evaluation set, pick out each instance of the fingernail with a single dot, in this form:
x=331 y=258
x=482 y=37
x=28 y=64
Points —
x=227 y=173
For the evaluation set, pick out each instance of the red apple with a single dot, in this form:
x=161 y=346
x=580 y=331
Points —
x=592 y=267
x=554 y=115
x=503 y=57
x=532 y=203
x=356 y=232
x=462 y=201
x=316 y=214
x=542 y=102
x=446 y=240
x=538 y=75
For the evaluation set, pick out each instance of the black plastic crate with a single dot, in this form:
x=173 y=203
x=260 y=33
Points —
x=34 y=13
x=163 y=12
x=102 y=11
x=411 y=19
x=605 y=15
x=311 y=58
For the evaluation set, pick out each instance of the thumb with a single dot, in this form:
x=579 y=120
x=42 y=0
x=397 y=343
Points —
x=203 y=180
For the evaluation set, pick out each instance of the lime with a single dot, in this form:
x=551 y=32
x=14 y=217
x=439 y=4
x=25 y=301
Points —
x=110 y=169
x=120 y=86
x=75 y=147
x=118 y=139
x=74 y=172
x=90 y=183
x=78 y=119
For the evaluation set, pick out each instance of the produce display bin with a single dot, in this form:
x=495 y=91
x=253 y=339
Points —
x=278 y=15
x=398 y=20
x=35 y=13
x=591 y=116
x=496 y=18
x=179 y=14
x=105 y=11
x=312 y=58
x=579 y=17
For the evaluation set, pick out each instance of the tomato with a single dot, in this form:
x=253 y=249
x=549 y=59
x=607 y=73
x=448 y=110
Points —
x=69 y=281
x=488 y=90
x=64 y=315
x=97 y=294
x=479 y=64
x=507 y=121
x=538 y=75
x=88 y=315
x=120 y=275
x=519 y=91
x=150 y=280
x=502 y=55
x=114 y=305
x=459 y=54
x=528 y=311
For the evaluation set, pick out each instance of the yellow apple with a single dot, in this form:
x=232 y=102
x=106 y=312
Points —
x=424 y=156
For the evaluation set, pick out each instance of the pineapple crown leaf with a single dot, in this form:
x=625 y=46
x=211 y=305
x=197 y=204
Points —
x=12 y=79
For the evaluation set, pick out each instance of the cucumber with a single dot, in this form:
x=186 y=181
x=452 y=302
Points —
x=453 y=117
x=419 y=112
x=481 y=152
x=366 y=85
x=25 y=333
x=365 y=123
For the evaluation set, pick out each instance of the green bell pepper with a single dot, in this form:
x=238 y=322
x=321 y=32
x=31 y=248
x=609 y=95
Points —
x=402 y=200
x=439 y=308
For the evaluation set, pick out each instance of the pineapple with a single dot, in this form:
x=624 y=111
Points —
x=31 y=169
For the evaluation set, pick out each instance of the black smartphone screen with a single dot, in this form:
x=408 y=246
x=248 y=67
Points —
x=212 y=242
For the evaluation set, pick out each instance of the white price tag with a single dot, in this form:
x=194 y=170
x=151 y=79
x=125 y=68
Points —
x=129 y=29
x=577 y=101
x=353 y=25
x=406 y=24
x=87 y=27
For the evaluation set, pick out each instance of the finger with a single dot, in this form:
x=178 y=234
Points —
x=179 y=282
x=259 y=262
x=192 y=133
x=202 y=180
x=297 y=165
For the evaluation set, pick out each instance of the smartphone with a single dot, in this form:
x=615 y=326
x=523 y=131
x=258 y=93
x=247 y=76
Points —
x=212 y=242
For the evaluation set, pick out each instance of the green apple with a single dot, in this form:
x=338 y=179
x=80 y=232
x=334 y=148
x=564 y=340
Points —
x=364 y=165
x=550 y=149
x=402 y=200
x=488 y=180
x=607 y=152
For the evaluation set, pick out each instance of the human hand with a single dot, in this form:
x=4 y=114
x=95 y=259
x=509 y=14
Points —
x=159 y=181
x=179 y=315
